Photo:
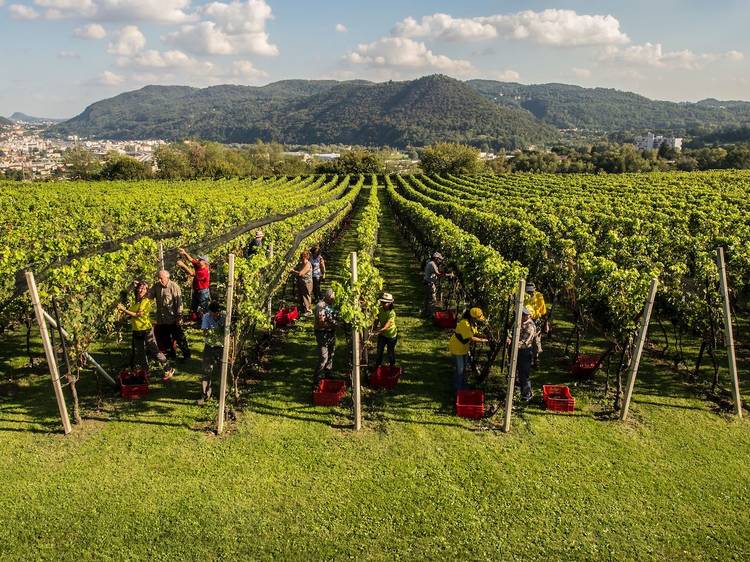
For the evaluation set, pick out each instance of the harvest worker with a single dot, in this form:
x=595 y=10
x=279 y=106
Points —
x=168 y=328
x=143 y=340
x=201 y=275
x=212 y=325
x=325 y=335
x=460 y=343
x=432 y=273
x=526 y=343
x=318 y=271
x=386 y=330
x=255 y=245
x=534 y=303
x=304 y=276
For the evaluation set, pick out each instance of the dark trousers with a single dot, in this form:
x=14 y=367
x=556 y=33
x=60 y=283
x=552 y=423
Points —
x=166 y=334
x=211 y=362
x=383 y=343
x=317 y=294
x=525 y=357
x=326 y=340
x=143 y=346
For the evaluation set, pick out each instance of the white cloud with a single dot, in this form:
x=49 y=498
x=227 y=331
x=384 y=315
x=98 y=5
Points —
x=245 y=70
x=507 y=76
x=548 y=27
x=161 y=11
x=169 y=61
x=581 y=72
x=21 y=12
x=404 y=53
x=128 y=41
x=68 y=55
x=203 y=38
x=108 y=78
x=228 y=29
x=341 y=28
x=445 y=27
x=90 y=31
x=653 y=54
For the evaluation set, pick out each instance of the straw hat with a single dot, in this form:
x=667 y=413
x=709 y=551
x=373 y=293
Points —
x=477 y=314
x=387 y=298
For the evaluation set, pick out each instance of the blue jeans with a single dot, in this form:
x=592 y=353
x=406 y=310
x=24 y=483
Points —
x=390 y=343
x=200 y=300
x=524 y=371
x=460 y=363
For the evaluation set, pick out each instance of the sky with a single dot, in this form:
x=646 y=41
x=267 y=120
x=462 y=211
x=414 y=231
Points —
x=59 y=56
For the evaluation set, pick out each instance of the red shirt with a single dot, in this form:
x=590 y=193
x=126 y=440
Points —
x=202 y=278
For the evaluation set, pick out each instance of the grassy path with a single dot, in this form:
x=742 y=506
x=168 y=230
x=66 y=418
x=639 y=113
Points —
x=144 y=480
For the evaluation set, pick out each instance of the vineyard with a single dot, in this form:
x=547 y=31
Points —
x=288 y=478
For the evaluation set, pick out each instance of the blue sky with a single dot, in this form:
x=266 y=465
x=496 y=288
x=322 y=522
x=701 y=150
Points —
x=58 y=56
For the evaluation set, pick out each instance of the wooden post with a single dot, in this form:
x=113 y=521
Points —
x=729 y=332
x=270 y=297
x=514 y=355
x=641 y=342
x=161 y=256
x=227 y=341
x=356 y=396
x=49 y=352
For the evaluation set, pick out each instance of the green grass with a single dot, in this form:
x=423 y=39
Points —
x=146 y=479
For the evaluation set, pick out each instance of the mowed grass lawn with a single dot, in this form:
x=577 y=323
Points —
x=148 y=480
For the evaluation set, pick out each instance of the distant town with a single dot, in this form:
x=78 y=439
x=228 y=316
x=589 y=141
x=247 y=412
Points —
x=27 y=154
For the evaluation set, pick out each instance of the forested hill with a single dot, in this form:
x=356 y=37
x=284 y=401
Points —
x=609 y=110
x=418 y=112
x=399 y=114
x=5 y=122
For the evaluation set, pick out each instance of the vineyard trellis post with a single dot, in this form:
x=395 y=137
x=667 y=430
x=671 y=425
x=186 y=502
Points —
x=227 y=342
x=640 y=344
x=270 y=297
x=161 y=256
x=514 y=354
x=356 y=389
x=729 y=332
x=49 y=352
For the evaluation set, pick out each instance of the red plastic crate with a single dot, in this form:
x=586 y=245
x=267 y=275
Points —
x=386 y=377
x=286 y=316
x=445 y=319
x=558 y=398
x=470 y=404
x=329 y=392
x=585 y=365
x=133 y=384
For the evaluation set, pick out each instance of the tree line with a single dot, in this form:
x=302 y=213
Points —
x=192 y=160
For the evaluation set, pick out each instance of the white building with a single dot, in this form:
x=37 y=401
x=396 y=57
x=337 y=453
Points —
x=654 y=142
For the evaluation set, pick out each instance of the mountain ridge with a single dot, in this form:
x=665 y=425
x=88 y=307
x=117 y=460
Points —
x=407 y=113
x=400 y=114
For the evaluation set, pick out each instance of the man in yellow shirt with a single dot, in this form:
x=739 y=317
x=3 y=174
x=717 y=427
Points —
x=460 y=344
x=534 y=303
x=144 y=342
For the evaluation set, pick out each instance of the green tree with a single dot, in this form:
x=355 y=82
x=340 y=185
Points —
x=172 y=163
x=81 y=164
x=353 y=162
x=448 y=158
x=119 y=167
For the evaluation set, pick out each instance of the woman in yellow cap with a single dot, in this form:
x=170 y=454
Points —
x=386 y=330
x=460 y=342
